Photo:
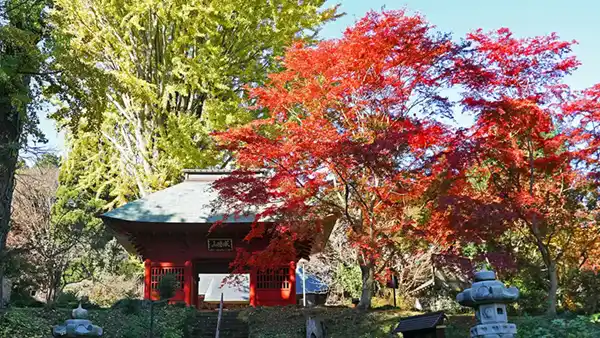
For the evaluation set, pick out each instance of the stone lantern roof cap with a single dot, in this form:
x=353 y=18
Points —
x=486 y=289
x=484 y=275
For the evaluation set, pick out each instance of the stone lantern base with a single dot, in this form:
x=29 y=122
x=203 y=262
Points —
x=496 y=330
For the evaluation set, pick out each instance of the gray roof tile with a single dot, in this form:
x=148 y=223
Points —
x=186 y=202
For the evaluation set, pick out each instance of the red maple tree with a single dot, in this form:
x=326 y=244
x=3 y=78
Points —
x=581 y=114
x=581 y=109
x=350 y=128
x=522 y=167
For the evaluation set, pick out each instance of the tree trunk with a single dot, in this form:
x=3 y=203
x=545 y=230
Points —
x=367 y=272
x=10 y=132
x=553 y=289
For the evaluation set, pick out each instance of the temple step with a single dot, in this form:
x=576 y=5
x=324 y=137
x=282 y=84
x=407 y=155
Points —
x=231 y=326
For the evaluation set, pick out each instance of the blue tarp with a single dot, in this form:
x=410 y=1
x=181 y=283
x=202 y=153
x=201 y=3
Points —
x=313 y=284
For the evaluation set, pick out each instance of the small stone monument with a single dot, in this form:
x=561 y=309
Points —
x=6 y=286
x=79 y=326
x=315 y=328
x=489 y=297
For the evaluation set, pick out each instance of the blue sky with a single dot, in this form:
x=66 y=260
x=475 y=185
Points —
x=571 y=19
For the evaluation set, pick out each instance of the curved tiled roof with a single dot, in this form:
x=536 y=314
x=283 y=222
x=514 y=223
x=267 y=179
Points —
x=193 y=201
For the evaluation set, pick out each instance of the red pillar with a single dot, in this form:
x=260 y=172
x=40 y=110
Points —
x=147 y=279
x=194 y=284
x=188 y=280
x=252 y=287
x=292 y=277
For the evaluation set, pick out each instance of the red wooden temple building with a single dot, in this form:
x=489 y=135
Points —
x=169 y=230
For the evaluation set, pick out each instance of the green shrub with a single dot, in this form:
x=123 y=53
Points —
x=70 y=300
x=582 y=294
x=107 y=289
x=30 y=323
x=350 y=279
x=542 y=327
x=170 y=322
x=167 y=286
x=532 y=302
x=533 y=295
x=67 y=300
x=533 y=327
x=129 y=306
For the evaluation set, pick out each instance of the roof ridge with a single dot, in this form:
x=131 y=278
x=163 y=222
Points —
x=219 y=171
x=207 y=171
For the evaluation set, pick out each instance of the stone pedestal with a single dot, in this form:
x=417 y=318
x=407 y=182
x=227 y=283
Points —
x=489 y=297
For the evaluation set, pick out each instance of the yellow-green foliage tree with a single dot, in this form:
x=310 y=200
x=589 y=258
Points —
x=143 y=83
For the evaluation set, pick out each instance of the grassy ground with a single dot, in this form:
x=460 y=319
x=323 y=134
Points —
x=345 y=322
x=340 y=322
x=275 y=322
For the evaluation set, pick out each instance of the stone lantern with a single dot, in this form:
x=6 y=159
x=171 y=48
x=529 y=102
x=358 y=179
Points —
x=489 y=297
x=79 y=326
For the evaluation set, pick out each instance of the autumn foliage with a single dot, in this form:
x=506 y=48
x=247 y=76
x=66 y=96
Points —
x=360 y=127
x=521 y=150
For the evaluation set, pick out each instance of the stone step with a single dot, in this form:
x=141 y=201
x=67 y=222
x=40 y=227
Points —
x=223 y=327
x=222 y=333
x=223 y=321
x=210 y=313
x=215 y=321
x=215 y=318
x=205 y=325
